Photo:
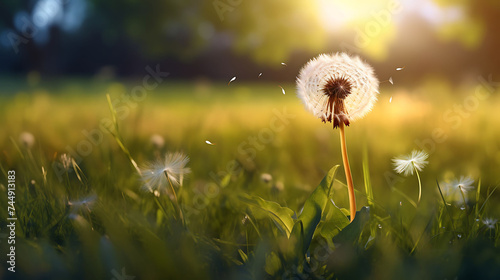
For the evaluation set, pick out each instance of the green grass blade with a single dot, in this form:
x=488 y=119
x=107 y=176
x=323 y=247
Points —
x=366 y=176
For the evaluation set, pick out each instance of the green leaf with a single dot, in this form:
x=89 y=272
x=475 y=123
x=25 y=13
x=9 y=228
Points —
x=311 y=214
x=334 y=222
x=351 y=233
x=281 y=216
x=366 y=176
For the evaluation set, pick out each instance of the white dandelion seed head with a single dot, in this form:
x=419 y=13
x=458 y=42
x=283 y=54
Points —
x=27 y=139
x=154 y=175
x=464 y=184
x=408 y=163
x=490 y=223
x=456 y=190
x=337 y=87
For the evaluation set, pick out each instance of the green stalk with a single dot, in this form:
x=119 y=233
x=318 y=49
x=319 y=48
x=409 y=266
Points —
x=176 y=201
x=348 y=175
x=419 y=184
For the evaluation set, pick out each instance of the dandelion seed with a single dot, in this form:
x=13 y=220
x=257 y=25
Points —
x=400 y=68
x=409 y=163
x=390 y=99
x=391 y=81
x=209 y=143
x=284 y=64
x=490 y=223
x=282 y=90
x=174 y=166
x=339 y=89
x=27 y=139
x=232 y=79
x=260 y=74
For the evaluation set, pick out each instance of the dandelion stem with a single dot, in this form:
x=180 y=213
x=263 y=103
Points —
x=465 y=207
x=347 y=169
x=419 y=184
x=176 y=202
x=446 y=207
x=160 y=206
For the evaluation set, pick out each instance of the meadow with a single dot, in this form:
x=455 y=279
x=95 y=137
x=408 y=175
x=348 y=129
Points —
x=263 y=199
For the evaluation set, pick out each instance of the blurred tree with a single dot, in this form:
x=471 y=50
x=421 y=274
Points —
x=270 y=31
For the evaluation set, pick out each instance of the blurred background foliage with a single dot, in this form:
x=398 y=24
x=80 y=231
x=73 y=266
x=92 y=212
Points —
x=87 y=37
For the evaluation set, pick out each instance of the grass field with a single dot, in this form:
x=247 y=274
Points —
x=91 y=219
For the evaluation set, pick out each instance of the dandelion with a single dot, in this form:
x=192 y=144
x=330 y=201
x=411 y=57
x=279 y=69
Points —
x=209 y=143
x=457 y=190
x=232 y=79
x=490 y=223
x=412 y=163
x=391 y=81
x=340 y=89
x=27 y=139
x=170 y=172
x=160 y=174
x=337 y=88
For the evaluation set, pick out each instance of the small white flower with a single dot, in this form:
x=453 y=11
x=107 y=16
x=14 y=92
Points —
x=408 y=163
x=155 y=174
x=490 y=223
x=337 y=88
